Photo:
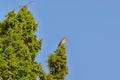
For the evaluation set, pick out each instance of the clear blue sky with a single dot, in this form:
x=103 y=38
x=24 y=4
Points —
x=92 y=28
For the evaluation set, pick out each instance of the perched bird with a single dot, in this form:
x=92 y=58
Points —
x=62 y=41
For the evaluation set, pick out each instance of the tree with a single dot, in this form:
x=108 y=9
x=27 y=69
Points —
x=19 y=47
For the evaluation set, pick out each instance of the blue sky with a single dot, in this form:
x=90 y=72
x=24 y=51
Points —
x=92 y=28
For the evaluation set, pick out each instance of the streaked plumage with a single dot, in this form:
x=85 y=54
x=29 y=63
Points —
x=62 y=41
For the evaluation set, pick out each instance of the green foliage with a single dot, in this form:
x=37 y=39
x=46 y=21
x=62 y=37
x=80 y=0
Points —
x=19 y=47
x=57 y=64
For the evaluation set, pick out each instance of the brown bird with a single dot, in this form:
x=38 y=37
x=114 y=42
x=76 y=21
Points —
x=62 y=41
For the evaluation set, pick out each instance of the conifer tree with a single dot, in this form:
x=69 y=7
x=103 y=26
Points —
x=19 y=47
x=57 y=63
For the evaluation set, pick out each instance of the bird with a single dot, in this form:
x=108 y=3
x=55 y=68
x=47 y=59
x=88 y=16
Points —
x=63 y=40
